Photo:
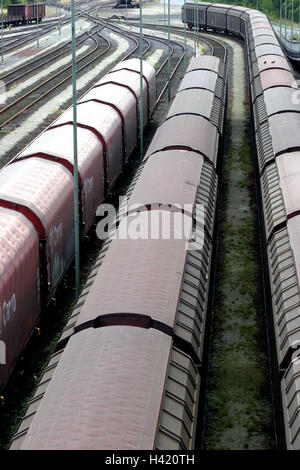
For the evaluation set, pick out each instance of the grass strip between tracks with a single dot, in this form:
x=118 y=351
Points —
x=239 y=409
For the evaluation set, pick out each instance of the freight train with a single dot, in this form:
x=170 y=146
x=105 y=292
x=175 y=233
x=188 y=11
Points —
x=126 y=373
x=24 y=13
x=275 y=109
x=37 y=202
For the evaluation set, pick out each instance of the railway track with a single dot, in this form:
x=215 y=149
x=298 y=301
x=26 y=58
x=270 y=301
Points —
x=12 y=114
x=19 y=73
x=25 y=102
x=20 y=41
x=177 y=52
x=25 y=30
x=21 y=29
x=215 y=46
x=44 y=28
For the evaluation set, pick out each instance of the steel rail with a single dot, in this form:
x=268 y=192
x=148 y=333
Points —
x=51 y=79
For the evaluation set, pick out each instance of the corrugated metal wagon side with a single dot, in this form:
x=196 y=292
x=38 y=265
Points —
x=19 y=287
x=291 y=399
x=43 y=192
x=57 y=145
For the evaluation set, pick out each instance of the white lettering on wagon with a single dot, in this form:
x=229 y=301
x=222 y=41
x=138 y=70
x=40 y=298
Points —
x=55 y=236
x=57 y=268
x=88 y=186
x=55 y=239
x=7 y=310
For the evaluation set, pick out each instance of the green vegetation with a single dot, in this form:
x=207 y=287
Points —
x=269 y=7
x=11 y=2
x=238 y=403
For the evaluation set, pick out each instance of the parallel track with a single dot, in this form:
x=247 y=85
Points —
x=215 y=47
x=24 y=102
x=20 y=41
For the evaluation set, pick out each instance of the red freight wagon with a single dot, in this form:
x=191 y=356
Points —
x=19 y=286
x=17 y=14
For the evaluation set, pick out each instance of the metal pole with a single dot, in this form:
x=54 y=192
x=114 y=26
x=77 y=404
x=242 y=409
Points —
x=164 y=17
x=292 y=20
x=37 y=27
x=185 y=58
x=169 y=54
x=195 y=22
x=141 y=86
x=280 y=16
x=27 y=12
x=256 y=4
x=59 y=22
x=299 y=23
x=2 y=45
x=197 y=28
x=76 y=208
x=285 y=11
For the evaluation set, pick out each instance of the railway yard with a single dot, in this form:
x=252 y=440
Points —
x=171 y=345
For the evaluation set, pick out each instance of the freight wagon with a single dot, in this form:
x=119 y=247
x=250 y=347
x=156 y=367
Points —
x=20 y=14
x=36 y=197
x=275 y=123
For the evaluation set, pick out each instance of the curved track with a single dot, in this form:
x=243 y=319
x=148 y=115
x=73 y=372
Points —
x=16 y=109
